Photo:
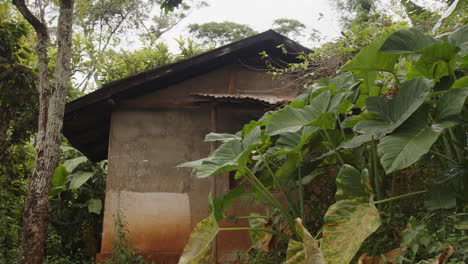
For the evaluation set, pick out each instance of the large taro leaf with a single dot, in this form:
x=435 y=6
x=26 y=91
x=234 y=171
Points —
x=371 y=59
x=351 y=219
x=459 y=38
x=450 y=105
x=291 y=119
x=407 y=144
x=392 y=113
x=228 y=157
x=197 y=249
x=292 y=141
x=407 y=41
x=307 y=252
x=223 y=159
x=415 y=137
x=432 y=62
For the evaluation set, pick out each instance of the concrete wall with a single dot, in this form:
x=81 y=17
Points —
x=163 y=203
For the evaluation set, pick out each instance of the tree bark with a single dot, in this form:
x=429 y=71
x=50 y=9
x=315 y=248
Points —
x=52 y=98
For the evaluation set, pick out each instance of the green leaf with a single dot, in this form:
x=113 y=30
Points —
x=407 y=144
x=459 y=37
x=355 y=142
x=220 y=137
x=351 y=219
x=293 y=119
x=95 y=206
x=440 y=196
x=407 y=41
x=461 y=83
x=223 y=159
x=450 y=104
x=371 y=59
x=197 y=249
x=60 y=176
x=79 y=178
x=393 y=112
x=433 y=61
x=291 y=141
x=288 y=168
x=73 y=163
x=351 y=122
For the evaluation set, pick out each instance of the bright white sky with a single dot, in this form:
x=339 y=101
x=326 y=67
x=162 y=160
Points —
x=259 y=14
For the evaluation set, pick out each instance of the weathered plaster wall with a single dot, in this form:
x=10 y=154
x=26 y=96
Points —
x=163 y=203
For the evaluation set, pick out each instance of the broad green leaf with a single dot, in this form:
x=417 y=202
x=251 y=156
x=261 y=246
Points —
x=407 y=144
x=79 y=178
x=220 y=137
x=293 y=119
x=71 y=164
x=291 y=141
x=197 y=249
x=216 y=207
x=95 y=206
x=407 y=41
x=288 y=169
x=440 y=196
x=371 y=59
x=450 y=104
x=351 y=122
x=60 y=176
x=461 y=83
x=252 y=138
x=432 y=62
x=351 y=219
x=355 y=142
x=393 y=112
x=223 y=159
x=459 y=37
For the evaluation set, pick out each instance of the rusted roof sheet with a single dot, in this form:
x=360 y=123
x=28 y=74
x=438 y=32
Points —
x=246 y=98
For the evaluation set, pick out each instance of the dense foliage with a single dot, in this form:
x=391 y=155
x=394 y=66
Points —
x=398 y=108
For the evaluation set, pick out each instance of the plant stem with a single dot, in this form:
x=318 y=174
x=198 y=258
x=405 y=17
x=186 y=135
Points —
x=400 y=197
x=442 y=155
x=286 y=237
x=272 y=200
x=249 y=217
x=301 y=195
x=457 y=148
x=276 y=181
x=375 y=168
x=333 y=146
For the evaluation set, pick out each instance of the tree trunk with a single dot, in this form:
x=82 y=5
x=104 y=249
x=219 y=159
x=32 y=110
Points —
x=52 y=98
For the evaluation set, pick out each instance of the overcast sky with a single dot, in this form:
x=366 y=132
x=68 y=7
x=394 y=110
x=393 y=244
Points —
x=259 y=14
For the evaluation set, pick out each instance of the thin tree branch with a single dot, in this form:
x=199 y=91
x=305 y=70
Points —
x=28 y=15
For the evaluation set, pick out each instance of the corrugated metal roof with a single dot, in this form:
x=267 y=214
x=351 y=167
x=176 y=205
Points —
x=265 y=99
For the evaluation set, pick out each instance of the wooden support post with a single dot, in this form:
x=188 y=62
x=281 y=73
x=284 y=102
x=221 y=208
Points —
x=214 y=118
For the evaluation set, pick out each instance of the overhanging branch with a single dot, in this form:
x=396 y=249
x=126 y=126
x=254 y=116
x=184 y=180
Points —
x=38 y=25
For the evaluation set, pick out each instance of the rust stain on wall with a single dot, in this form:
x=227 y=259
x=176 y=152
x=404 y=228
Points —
x=155 y=220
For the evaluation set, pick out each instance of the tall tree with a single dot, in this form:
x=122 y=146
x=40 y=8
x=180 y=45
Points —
x=220 y=33
x=289 y=27
x=52 y=95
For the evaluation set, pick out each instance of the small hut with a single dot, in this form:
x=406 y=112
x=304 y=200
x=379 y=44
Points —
x=148 y=123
